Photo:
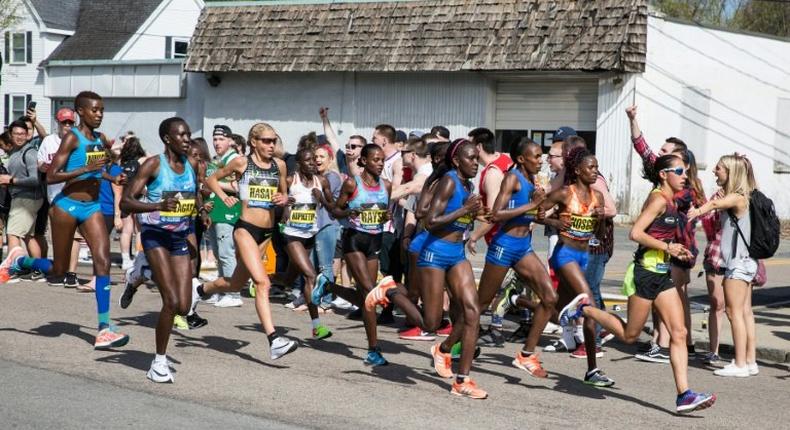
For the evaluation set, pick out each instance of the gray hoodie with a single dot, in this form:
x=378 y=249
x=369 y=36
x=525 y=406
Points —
x=27 y=183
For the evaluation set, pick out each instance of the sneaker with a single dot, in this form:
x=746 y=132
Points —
x=71 y=280
x=160 y=372
x=37 y=276
x=321 y=282
x=597 y=378
x=655 y=355
x=374 y=358
x=711 y=358
x=468 y=388
x=281 y=346
x=552 y=328
x=492 y=337
x=754 y=370
x=296 y=303
x=128 y=294
x=572 y=310
x=341 y=303
x=180 y=323
x=505 y=303
x=455 y=352
x=56 y=281
x=530 y=364
x=580 y=352
x=691 y=401
x=605 y=336
x=692 y=352
x=7 y=267
x=378 y=295
x=415 y=333
x=229 y=301
x=321 y=332
x=445 y=328
x=442 y=362
x=731 y=370
x=195 y=295
x=212 y=300
x=276 y=292
x=251 y=289
x=195 y=321
x=109 y=338
x=557 y=345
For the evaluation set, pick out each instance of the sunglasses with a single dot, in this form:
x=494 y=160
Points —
x=353 y=147
x=676 y=170
x=266 y=140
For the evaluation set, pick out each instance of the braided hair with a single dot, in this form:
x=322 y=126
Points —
x=445 y=167
x=573 y=160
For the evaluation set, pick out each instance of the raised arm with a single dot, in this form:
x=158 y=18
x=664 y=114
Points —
x=329 y=132
x=640 y=145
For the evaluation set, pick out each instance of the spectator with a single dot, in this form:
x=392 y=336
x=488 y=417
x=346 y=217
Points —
x=132 y=156
x=110 y=197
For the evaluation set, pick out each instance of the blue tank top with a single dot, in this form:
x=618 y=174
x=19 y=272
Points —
x=86 y=152
x=170 y=184
x=371 y=203
x=456 y=201
x=521 y=198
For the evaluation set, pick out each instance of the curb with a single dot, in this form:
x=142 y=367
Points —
x=767 y=354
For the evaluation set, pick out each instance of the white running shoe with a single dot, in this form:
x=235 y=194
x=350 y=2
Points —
x=731 y=370
x=213 y=299
x=552 y=328
x=281 y=346
x=160 y=372
x=231 y=300
x=195 y=295
x=341 y=303
x=754 y=370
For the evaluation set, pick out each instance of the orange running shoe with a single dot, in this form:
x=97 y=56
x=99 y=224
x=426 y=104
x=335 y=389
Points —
x=109 y=338
x=530 y=364
x=442 y=362
x=378 y=295
x=468 y=389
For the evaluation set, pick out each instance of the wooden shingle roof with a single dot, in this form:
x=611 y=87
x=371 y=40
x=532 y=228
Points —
x=432 y=35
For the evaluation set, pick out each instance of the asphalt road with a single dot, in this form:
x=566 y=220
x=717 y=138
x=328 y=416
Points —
x=52 y=378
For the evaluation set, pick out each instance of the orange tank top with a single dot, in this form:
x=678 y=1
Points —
x=582 y=216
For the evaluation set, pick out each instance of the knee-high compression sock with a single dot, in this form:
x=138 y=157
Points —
x=43 y=265
x=103 y=301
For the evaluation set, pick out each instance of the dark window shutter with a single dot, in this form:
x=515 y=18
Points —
x=7 y=106
x=29 y=50
x=168 y=47
x=7 y=47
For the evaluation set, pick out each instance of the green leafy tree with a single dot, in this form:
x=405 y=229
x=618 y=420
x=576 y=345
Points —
x=770 y=17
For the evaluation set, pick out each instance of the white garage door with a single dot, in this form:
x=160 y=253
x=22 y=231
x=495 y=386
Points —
x=527 y=104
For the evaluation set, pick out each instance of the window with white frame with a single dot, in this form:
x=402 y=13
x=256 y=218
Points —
x=176 y=47
x=18 y=48
x=17 y=106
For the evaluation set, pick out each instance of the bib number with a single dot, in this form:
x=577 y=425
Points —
x=94 y=153
x=184 y=209
x=261 y=192
x=302 y=216
x=371 y=216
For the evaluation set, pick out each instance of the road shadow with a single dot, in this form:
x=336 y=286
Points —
x=147 y=319
x=131 y=358
x=225 y=345
x=54 y=329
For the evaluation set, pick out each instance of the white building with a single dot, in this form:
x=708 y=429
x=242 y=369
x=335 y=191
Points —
x=131 y=52
x=517 y=67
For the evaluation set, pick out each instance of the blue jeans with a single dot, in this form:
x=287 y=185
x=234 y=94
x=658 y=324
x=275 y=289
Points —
x=596 y=265
x=324 y=252
x=224 y=248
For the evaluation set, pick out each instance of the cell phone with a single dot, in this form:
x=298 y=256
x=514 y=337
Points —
x=31 y=105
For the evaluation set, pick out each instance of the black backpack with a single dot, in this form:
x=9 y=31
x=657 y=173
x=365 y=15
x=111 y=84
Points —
x=765 y=227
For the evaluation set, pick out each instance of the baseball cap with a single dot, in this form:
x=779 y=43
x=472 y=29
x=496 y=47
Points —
x=222 y=130
x=416 y=133
x=562 y=133
x=66 y=114
x=400 y=136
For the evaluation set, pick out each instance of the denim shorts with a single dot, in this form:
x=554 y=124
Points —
x=743 y=269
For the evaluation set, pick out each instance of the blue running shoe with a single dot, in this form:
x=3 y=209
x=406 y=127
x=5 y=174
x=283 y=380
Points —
x=691 y=401
x=573 y=310
x=318 y=289
x=374 y=358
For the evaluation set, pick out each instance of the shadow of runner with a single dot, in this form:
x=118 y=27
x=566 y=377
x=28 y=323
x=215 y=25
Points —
x=132 y=358
x=224 y=345
x=147 y=319
x=58 y=328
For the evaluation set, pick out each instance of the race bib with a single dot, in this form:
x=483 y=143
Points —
x=656 y=261
x=184 y=209
x=582 y=226
x=464 y=222
x=93 y=153
x=302 y=216
x=261 y=192
x=371 y=215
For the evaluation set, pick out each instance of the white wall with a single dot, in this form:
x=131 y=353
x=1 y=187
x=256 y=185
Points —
x=27 y=78
x=176 y=18
x=716 y=90
x=357 y=102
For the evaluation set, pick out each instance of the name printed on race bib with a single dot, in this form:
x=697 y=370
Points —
x=371 y=215
x=302 y=215
x=261 y=192
x=184 y=209
x=93 y=153
x=583 y=224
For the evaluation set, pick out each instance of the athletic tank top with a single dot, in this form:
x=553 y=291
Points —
x=371 y=203
x=502 y=163
x=666 y=228
x=302 y=219
x=86 y=152
x=521 y=198
x=171 y=184
x=459 y=197
x=583 y=219
x=257 y=185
